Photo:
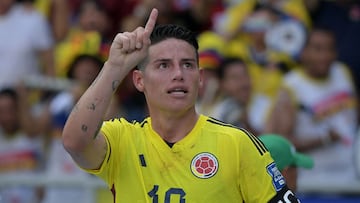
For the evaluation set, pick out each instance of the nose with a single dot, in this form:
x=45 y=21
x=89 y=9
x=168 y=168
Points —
x=178 y=73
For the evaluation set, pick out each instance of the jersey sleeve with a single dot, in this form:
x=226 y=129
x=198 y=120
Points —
x=260 y=180
x=111 y=130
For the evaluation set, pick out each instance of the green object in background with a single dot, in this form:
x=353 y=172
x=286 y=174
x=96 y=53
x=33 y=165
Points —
x=284 y=153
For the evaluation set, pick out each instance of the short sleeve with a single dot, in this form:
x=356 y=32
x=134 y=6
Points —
x=259 y=179
x=111 y=131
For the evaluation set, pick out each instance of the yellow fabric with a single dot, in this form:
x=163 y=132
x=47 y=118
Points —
x=211 y=40
x=77 y=42
x=143 y=168
x=236 y=15
x=265 y=81
x=104 y=196
x=297 y=9
x=238 y=48
x=43 y=6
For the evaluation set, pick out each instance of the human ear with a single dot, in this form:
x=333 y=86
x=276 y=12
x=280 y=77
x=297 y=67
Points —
x=138 y=80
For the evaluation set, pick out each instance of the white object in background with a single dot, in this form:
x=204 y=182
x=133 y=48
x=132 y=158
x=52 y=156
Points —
x=286 y=36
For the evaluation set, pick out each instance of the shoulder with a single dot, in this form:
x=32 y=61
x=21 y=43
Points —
x=121 y=130
x=214 y=123
x=226 y=130
x=238 y=142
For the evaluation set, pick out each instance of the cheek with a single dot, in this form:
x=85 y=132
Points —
x=152 y=85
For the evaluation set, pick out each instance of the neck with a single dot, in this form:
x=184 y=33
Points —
x=174 y=128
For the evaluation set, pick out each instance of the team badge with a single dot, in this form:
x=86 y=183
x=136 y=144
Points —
x=278 y=179
x=204 y=165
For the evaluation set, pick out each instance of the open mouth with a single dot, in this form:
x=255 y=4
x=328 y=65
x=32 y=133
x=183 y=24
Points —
x=177 y=91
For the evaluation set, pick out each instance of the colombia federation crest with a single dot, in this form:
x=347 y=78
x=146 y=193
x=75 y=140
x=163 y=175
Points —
x=204 y=165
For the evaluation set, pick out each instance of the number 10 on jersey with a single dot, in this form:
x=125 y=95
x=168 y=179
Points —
x=170 y=192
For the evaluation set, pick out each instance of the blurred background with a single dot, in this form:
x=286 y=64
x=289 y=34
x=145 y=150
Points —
x=289 y=67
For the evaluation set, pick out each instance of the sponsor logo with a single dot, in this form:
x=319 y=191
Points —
x=204 y=165
x=277 y=178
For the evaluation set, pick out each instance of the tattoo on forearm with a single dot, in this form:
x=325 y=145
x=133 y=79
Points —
x=97 y=130
x=84 y=128
x=92 y=106
x=115 y=84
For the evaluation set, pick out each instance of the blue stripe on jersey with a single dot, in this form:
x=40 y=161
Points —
x=142 y=160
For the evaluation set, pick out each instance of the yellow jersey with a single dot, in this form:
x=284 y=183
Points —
x=215 y=162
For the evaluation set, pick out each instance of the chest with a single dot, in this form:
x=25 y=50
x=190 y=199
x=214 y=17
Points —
x=185 y=171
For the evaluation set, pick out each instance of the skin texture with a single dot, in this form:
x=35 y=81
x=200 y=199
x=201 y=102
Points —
x=170 y=83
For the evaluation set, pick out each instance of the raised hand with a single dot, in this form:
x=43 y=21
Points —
x=130 y=48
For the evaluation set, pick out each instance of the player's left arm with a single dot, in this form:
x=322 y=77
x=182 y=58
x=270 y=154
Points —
x=285 y=195
x=260 y=179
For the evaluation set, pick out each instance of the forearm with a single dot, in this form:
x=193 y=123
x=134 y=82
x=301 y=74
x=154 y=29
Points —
x=80 y=134
x=60 y=19
x=81 y=137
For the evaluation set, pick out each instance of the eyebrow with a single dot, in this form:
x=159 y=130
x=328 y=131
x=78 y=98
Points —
x=189 y=60
x=168 y=60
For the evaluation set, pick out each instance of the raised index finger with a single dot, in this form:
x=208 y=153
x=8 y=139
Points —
x=150 y=24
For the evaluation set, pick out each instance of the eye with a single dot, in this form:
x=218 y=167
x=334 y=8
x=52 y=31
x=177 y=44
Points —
x=163 y=65
x=188 y=65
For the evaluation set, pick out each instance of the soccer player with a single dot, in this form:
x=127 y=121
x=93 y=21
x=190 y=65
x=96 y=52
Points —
x=174 y=155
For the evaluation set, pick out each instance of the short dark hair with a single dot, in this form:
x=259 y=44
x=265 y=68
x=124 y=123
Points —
x=322 y=29
x=226 y=62
x=167 y=31
x=9 y=92
x=84 y=57
x=162 y=32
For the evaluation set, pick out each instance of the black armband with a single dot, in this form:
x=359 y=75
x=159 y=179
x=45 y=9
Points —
x=284 y=196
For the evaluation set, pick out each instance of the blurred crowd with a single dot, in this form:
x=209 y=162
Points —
x=286 y=67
